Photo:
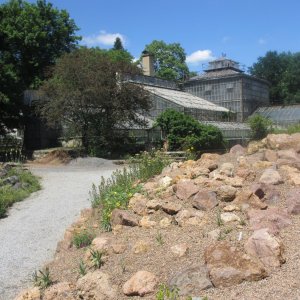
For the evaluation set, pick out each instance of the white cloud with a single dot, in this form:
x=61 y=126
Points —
x=199 y=56
x=103 y=38
x=262 y=41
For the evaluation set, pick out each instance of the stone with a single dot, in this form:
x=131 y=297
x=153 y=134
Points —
x=199 y=171
x=266 y=247
x=289 y=154
x=270 y=176
x=205 y=200
x=30 y=294
x=226 y=193
x=214 y=234
x=165 y=181
x=247 y=199
x=228 y=266
x=235 y=181
x=141 y=247
x=228 y=217
x=123 y=217
x=245 y=173
x=255 y=146
x=190 y=280
x=171 y=208
x=293 y=174
x=258 y=190
x=59 y=291
x=138 y=204
x=231 y=208
x=153 y=204
x=237 y=150
x=118 y=248
x=149 y=186
x=184 y=189
x=190 y=217
x=180 y=250
x=283 y=141
x=11 y=180
x=273 y=218
x=101 y=244
x=262 y=164
x=270 y=155
x=293 y=201
x=97 y=286
x=165 y=222
x=140 y=284
x=227 y=169
x=146 y=222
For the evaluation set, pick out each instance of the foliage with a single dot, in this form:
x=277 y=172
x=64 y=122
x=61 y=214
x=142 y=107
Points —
x=42 y=279
x=82 y=268
x=89 y=94
x=118 y=44
x=32 y=37
x=294 y=128
x=9 y=195
x=260 y=126
x=169 y=60
x=184 y=132
x=166 y=293
x=83 y=239
x=96 y=258
x=159 y=239
x=282 y=70
x=116 y=191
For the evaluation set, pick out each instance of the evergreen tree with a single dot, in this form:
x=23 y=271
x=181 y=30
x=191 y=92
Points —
x=118 y=44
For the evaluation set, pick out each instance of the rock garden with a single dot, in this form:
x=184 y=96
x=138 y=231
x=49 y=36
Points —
x=222 y=227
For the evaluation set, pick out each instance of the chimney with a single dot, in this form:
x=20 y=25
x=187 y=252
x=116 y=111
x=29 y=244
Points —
x=148 y=63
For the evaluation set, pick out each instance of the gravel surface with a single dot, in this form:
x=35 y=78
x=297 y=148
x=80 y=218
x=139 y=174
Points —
x=29 y=235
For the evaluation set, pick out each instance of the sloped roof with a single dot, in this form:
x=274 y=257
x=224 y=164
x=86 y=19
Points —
x=185 y=99
x=287 y=113
x=216 y=74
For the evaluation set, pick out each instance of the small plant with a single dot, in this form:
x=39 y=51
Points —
x=42 y=279
x=260 y=126
x=159 y=239
x=219 y=219
x=243 y=222
x=82 y=239
x=123 y=265
x=96 y=258
x=166 y=293
x=82 y=268
x=227 y=230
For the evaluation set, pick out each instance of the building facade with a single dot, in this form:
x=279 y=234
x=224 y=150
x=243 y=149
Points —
x=226 y=85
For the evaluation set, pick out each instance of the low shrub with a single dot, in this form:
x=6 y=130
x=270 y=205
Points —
x=116 y=191
x=83 y=239
x=260 y=126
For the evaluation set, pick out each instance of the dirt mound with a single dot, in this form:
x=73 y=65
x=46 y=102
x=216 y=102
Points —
x=55 y=157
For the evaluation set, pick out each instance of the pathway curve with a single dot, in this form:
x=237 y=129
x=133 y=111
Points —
x=29 y=235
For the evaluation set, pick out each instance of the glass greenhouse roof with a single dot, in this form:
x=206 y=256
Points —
x=285 y=114
x=185 y=99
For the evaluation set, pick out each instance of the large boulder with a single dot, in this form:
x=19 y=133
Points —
x=266 y=247
x=228 y=266
x=138 y=204
x=60 y=291
x=190 y=217
x=247 y=199
x=96 y=285
x=184 y=189
x=123 y=217
x=237 y=150
x=270 y=176
x=191 y=280
x=226 y=193
x=140 y=284
x=293 y=201
x=283 y=141
x=273 y=218
x=205 y=200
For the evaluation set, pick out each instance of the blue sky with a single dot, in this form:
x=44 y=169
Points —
x=243 y=29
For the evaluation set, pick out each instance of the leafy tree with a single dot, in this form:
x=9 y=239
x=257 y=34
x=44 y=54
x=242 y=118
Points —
x=260 y=126
x=184 y=132
x=88 y=95
x=169 y=60
x=282 y=71
x=118 y=44
x=32 y=37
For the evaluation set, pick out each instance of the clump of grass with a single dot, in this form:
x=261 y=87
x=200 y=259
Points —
x=116 y=191
x=159 y=239
x=166 y=293
x=42 y=279
x=9 y=195
x=82 y=268
x=83 y=239
x=96 y=258
x=219 y=219
x=243 y=222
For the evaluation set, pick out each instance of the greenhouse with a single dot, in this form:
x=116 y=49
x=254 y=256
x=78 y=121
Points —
x=281 y=115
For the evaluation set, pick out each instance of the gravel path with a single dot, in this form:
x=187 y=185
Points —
x=29 y=235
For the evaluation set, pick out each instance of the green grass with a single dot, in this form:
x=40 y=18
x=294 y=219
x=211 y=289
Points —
x=116 y=191
x=289 y=130
x=9 y=195
x=83 y=239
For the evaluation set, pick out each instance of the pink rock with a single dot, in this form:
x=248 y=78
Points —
x=293 y=201
x=273 y=218
x=124 y=217
x=59 y=291
x=180 y=249
x=270 y=176
x=205 y=200
x=237 y=150
x=266 y=247
x=140 y=284
x=270 y=155
x=184 y=189
x=283 y=141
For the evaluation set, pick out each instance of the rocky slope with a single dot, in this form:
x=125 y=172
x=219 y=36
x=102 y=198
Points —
x=225 y=226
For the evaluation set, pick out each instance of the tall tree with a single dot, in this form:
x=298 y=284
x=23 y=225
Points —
x=88 y=95
x=169 y=60
x=32 y=37
x=118 y=44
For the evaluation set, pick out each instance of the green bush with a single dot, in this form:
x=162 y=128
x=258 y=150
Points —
x=83 y=239
x=10 y=195
x=116 y=191
x=184 y=132
x=260 y=126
